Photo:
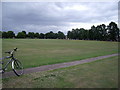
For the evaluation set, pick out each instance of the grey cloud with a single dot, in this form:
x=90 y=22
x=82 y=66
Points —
x=54 y=15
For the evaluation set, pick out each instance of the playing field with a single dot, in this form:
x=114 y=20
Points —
x=37 y=52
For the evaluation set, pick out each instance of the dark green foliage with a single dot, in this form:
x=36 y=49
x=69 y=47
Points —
x=60 y=35
x=4 y=35
x=36 y=35
x=41 y=36
x=100 y=32
x=30 y=35
x=9 y=34
x=25 y=34
x=21 y=34
x=113 y=31
x=51 y=35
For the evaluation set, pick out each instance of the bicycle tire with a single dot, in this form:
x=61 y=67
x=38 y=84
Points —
x=17 y=67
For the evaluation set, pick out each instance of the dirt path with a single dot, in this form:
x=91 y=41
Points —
x=56 y=66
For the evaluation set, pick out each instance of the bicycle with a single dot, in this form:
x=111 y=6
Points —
x=15 y=63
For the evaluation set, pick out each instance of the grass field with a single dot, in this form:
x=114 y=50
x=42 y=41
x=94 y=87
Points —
x=98 y=74
x=37 y=52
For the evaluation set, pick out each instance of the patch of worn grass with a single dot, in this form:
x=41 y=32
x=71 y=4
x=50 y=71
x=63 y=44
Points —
x=37 y=52
x=98 y=74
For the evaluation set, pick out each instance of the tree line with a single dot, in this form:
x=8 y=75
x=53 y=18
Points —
x=100 y=32
x=32 y=35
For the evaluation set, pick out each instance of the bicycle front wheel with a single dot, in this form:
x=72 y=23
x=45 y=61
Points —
x=17 y=67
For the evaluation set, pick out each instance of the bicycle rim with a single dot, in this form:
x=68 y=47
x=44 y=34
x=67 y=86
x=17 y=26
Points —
x=17 y=67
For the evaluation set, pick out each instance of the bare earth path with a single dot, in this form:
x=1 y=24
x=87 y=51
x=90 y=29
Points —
x=56 y=66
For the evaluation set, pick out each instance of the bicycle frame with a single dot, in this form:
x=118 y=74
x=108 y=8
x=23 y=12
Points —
x=9 y=61
x=7 y=64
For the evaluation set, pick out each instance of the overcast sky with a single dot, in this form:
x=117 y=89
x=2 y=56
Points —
x=43 y=17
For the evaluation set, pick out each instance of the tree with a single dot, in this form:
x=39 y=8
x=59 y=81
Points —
x=41 y=36
x=113 y=31
x=31 y=34
x=85 y=35
x=4 y=35
x=47 y=36
x=98 y=33
x=51 y=35
x=10 y=34
x=104 y=32
x=69 y=35
x=25 y=35
x=61 y=35
x=93 y=33
x=21 y=35
x=55 y=35
x=82 y=34
x=75 y=33
x=36 y=35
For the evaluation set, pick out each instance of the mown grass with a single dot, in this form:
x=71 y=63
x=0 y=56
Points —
x=98 y=74
x=37 y=52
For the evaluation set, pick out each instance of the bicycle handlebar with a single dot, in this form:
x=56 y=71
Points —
x=15 y=49
x=8 y=52
x=11 y=52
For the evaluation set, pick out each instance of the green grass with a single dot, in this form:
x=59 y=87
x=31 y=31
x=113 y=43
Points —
x=98 y=74
x=37 y=52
